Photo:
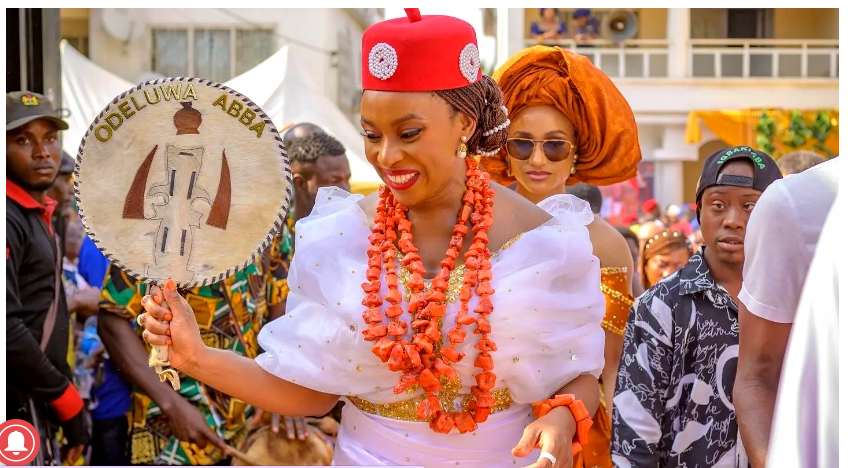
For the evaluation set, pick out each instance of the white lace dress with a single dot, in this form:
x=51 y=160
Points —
x=546 y=324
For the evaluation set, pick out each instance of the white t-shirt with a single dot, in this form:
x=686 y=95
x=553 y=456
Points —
x=805 y=428
x=781 y=236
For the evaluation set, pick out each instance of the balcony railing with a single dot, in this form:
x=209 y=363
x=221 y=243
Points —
x=713 y=58
x=763 y=58
x=633 y=58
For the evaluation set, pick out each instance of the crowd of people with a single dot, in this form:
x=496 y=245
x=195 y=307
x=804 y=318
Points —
x=543 y=336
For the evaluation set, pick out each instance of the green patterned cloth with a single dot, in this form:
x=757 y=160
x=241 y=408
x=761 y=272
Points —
x=281 y=254
x=233 y=327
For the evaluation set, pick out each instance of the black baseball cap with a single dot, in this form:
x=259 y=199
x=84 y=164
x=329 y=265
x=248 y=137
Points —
x=22 y=107
x=766 y=170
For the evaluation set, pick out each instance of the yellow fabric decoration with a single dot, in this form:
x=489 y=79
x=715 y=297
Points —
x=739 y=126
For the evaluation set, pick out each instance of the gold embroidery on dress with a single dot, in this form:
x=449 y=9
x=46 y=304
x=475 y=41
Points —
x=615 y=287
x=454 y=283
x=448 y=397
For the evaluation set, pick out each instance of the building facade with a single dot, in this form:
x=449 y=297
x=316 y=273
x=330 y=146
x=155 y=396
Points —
x=670 y=62
x=221 y=43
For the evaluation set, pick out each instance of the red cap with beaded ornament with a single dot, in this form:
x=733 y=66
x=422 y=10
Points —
x=419 y=53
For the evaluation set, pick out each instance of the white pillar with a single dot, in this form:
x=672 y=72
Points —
x=501 y=36
x=510 y=33
x=678 y=33
x=669 y=171
x=516 y=30
x=669 y=183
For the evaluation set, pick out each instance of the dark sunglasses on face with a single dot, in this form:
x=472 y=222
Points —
x=555 y=150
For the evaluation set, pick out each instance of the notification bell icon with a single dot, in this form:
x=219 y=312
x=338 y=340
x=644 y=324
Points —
x=16 y=443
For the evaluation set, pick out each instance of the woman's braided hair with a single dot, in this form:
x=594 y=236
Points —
x=483 y=102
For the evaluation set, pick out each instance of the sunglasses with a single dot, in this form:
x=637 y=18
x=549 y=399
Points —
x=555 y=150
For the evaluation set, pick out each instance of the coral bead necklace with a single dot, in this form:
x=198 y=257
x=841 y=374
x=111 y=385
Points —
x=418 y=360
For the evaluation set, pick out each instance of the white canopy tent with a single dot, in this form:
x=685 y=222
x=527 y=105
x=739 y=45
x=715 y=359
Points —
x=280 y=88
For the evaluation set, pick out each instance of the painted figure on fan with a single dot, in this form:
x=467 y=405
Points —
x=406 y=303
x=563 y=134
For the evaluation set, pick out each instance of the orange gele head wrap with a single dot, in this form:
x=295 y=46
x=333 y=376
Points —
x=608 y=147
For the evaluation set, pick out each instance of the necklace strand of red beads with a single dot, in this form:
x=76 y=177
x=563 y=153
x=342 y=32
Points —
x=418 y=359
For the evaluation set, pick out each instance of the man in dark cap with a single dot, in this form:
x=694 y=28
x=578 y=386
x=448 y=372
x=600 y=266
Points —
x=39 y=385
x=62 y=192
x=680 y=352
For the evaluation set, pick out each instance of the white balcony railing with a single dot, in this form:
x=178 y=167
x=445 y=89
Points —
x=763 y=58
x=633 y=58
x=713 y=58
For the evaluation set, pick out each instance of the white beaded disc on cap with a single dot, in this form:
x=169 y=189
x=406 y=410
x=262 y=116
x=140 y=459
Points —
x=469 y=62
x=382 y=61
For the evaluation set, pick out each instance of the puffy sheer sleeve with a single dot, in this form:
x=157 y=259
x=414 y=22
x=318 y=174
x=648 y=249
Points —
x=548 y=305
x=318 y=342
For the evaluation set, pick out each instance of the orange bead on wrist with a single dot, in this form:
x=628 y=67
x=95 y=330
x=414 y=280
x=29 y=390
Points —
x=579 y=413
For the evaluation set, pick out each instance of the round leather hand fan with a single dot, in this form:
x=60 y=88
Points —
x=182 y=178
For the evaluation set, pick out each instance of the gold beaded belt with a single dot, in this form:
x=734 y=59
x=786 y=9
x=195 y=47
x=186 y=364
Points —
x=407 y=410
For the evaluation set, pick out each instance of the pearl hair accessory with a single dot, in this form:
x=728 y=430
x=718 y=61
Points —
x=469 y=62
x=490 y=153
x=500 y=127
x=382 y=61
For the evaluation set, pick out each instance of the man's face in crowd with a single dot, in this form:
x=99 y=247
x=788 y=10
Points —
x=724 y=213
x=33 y=155
x=332 y=171
x=327 y=171
x=62 y=191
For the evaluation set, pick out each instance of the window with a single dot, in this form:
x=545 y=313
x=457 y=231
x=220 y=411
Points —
x=217 y=54
x=74 y=28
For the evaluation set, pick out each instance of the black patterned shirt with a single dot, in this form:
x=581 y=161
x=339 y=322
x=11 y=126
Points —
x=673 y=401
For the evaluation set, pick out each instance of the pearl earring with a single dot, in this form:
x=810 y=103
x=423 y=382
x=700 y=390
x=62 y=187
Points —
x=463 y=148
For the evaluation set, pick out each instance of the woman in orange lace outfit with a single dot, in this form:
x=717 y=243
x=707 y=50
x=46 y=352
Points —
x=570 y=124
